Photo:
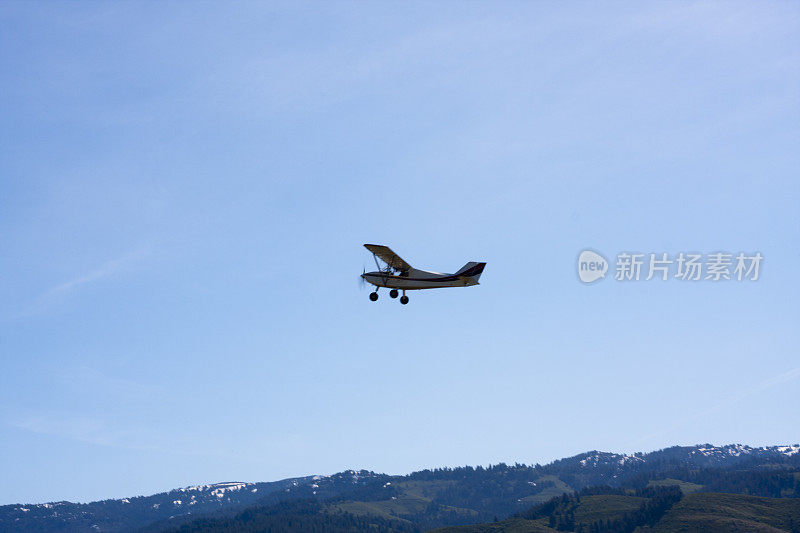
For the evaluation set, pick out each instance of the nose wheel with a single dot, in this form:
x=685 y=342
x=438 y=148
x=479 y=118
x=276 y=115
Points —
x=373 y=296
x=404 y=299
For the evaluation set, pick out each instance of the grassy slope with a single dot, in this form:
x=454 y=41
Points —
x=706 y=512
x=425 y=489
x=715 y=512
x=384 y=508
x=685 y=486
x=513 y=525
x=601 y=507
x=402 y=505
x=558 y=488
x=417 y=495
x=590 y=509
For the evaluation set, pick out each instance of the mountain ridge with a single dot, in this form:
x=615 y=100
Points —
x=459 y=491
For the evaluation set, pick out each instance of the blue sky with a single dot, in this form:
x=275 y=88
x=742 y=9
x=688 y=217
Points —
x=186 y=188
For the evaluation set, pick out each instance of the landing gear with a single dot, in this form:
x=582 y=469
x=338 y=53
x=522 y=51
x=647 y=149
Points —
x=392 y=293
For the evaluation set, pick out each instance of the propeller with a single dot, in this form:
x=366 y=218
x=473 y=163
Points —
x=361 y=281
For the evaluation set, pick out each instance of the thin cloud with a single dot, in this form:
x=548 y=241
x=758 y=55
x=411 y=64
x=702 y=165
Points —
x=62 y=290
x=83 y=429
x=774 y=381
x=87 y=378
x=105 y=270
x=98 y=431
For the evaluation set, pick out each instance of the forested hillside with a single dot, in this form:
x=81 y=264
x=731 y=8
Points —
x=595 y=490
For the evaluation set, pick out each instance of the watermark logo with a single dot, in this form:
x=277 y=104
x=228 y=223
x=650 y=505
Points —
x=591 y=266
x=684 y=266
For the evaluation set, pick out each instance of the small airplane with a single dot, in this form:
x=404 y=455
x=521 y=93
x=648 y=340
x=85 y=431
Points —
x=397 y=274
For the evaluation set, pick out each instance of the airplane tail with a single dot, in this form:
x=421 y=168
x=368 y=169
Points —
x=472 y=270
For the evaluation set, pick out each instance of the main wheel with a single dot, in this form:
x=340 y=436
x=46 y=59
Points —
x=393 y=293
x=373 y=296
x=404 y=299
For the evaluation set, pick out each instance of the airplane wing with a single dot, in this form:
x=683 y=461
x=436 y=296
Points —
x=388 y=256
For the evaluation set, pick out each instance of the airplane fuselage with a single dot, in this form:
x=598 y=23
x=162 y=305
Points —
x=418 y=280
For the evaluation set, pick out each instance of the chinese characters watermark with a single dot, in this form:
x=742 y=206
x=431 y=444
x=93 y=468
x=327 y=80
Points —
x=685 y=266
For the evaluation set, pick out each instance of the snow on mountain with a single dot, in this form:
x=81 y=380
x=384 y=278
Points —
x=597 y=458
x=218 y=489
x=705 y=454
x=786 y=450
x=739 y=450
x=590 y=468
